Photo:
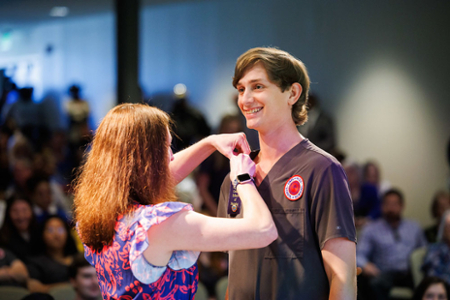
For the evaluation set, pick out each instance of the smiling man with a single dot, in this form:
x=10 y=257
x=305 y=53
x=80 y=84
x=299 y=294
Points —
x=304 y=187
x=84 y=279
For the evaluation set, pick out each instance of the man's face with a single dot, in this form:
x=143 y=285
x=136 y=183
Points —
x=86 y=283
x=392 y=208
x=446 y=233
x=261 y=101
x=442 y=205
x=42 y=195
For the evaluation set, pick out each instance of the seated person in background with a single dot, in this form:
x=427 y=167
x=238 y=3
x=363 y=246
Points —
x=22 y=171
x=12 y=271
x=366 y=203
x=57 y=248
x=41 y=196
x=432 y=288
x=371 y=175
x=84 y=279
x=320 y=128
x=384 y=248
x=44 y=165
x=19 y=233
x=437 y=260
x=441 y=202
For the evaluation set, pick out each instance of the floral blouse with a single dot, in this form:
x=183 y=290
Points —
x=123 y=272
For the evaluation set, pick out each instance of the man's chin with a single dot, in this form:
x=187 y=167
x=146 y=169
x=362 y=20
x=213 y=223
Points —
x=392 y=219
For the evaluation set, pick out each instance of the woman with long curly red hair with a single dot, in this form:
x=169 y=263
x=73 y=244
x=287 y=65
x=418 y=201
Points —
x=144 y=244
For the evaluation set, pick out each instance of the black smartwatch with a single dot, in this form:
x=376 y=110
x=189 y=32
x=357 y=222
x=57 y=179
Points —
x=242 y=178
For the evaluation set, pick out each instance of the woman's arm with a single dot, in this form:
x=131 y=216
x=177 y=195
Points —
x=187 y=160
x=16 y=271
x=188 y=230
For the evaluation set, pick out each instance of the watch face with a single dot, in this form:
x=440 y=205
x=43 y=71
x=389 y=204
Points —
x=243 y=177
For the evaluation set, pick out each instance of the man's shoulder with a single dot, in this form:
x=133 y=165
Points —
x=374 y=226
x=317 y=157
x=411 y=224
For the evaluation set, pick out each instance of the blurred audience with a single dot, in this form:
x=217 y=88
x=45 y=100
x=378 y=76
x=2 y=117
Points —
x=190 y=125
x=78 y=112
x=319 y=128
x=9 y=96
x=22 y=171
x=19 y=233
x=437 y=259
x=366 y=203
x=42 y=199
x=440 y=203
x=432 y=288
x=12 y=270
x=57 y=249
x=371 y=174
x=84 y=279
x=384 y=247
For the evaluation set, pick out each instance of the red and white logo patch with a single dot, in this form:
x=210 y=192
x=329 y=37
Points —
x=293 y=189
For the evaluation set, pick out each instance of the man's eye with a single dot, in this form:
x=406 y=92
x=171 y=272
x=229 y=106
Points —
x=258 y=87
x=240 y=90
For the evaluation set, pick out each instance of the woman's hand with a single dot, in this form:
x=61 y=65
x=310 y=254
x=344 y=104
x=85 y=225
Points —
x=228 y=143
x=240 y=164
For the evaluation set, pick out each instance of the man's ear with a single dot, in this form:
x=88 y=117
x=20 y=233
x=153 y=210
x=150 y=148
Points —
x=295 y=93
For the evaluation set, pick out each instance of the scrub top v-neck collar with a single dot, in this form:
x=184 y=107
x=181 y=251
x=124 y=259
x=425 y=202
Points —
x=277 y=165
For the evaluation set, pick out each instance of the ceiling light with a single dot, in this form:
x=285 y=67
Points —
x=180 y=90
x=59 y=11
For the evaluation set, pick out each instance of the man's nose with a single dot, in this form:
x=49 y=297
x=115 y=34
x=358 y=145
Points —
x=246 y=97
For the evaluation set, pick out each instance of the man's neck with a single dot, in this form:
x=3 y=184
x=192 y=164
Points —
x=275 y=143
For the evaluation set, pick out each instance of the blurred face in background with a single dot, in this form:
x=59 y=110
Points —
x=446 y=234
x=443 y=203
x=42 y=195
x=86 y=283
x=21 y=215
x=372 y=175
x=22 y=172
x=392 y=208
x=353 y=176
x=435 y=292
x=55 y=234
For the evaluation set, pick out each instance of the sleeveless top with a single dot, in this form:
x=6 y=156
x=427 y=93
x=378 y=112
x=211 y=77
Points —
x=124 y=273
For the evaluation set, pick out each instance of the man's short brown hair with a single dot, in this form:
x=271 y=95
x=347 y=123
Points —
x=283 y=69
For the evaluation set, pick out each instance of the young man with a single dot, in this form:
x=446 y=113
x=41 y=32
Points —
x=304 y=187
x=84 y=279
